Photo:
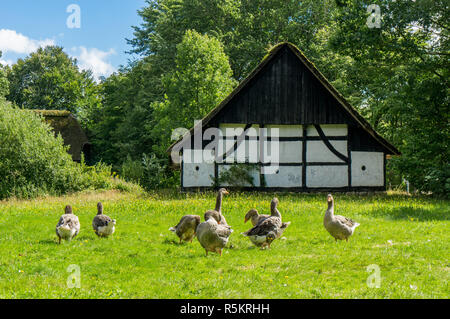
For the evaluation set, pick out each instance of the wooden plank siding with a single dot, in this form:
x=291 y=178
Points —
x=283 y=92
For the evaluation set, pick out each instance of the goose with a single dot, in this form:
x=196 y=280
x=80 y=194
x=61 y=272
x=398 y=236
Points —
x=218 y=208
x=268 y=229
x=103 y=225
x=212 y=235
x=256 y=218
x=263 y=234
x=185 y=229
x=68 y=226
x=339 y=227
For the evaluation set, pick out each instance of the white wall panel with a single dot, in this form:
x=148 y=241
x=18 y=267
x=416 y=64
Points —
x=198 y=174
x=367 y=169
x=288 y=176
x=317 y=151
x=326 y=176
x=328 y=130
x=285 y=130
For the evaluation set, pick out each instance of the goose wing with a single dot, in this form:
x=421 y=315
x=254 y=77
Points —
x=101 y=221
x=345 y=221
x=264 y=227
x=187 y=222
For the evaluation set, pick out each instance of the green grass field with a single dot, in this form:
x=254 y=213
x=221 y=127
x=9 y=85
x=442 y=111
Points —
x=407 y=237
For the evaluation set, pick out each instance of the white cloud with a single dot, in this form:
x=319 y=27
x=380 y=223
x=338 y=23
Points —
x=11 y=41
x=92 y=59
x=6 y=62
x=95 y=60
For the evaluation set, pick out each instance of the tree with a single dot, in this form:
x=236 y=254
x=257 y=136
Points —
x=50 y=79
x=202 y=79
x=245 y=27
x=119 y=128
x=4 y=83
x=401 y=71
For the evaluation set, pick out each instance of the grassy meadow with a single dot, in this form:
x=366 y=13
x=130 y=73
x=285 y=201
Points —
x=407 y=237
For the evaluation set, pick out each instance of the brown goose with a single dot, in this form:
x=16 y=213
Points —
x=266 y=232
x=339 y=227
x=256 y=218
x=68 y=226
x=185 y=229
x=218 y=208
x=212 y=235
x=103 y=225
x=268 y=229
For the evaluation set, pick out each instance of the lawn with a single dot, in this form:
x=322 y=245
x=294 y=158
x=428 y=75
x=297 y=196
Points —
x=406 y=237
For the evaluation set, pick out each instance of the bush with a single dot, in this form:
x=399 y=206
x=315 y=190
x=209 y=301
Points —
x=150 y=173
x=34 y=162
x=238 y=175
x=131 y=170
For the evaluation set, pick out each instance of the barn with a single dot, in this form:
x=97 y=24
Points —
x=290 y=129
x=64 y=123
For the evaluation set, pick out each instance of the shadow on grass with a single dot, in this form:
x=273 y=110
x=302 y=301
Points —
x=174 y=242
x=413 y=214
x=48 y=241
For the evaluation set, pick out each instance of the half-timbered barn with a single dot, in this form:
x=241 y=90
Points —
x=322 y=143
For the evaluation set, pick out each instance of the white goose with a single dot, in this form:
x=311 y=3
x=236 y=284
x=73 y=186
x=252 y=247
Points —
x=68 y=226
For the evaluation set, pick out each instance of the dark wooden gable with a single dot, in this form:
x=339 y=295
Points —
x=284 y=92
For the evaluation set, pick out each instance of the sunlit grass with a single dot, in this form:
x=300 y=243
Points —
x=407 y=237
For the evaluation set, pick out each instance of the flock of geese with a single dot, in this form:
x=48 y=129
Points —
x=214 y=232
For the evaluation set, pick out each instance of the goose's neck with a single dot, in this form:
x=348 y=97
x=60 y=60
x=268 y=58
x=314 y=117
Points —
x=330 y=210
x=274 y=210
x=219 y=202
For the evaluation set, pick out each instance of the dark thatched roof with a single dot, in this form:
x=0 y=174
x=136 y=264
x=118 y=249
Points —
x=66 y=124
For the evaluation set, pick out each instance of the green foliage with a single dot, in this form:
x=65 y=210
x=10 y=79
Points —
x=121 y=126
x=245 y=27
x=400 y=72
x=132 y=170
x=201 y=80
x=149 y=172
x=153 y=168
x=33 y=162
x=50 y=79
x=237 y=175
x=4 y=83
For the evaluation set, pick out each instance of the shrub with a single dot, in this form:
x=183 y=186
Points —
x=238 y=175
x=150 y=173
x=34 y=162
x=132 y=170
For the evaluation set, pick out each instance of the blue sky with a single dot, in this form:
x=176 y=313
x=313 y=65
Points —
x=99 y=44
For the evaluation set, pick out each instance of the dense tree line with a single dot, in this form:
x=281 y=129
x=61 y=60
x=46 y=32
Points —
x=194 y=52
